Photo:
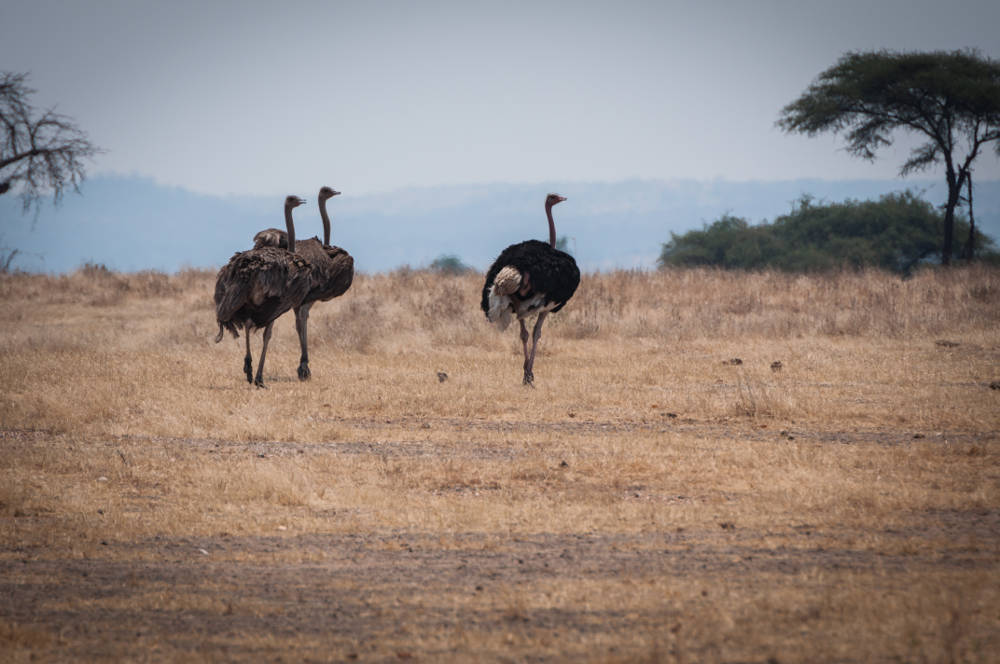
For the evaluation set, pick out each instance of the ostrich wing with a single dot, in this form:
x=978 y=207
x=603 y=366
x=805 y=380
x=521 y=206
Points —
x=550 y=272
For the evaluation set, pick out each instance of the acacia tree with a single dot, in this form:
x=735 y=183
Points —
x=951 y=98
x=39 y=153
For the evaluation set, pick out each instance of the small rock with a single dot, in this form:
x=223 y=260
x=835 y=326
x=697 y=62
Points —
x=564 y=464
x=442 y=376
x=776 y=365
x=734 y=362
x=995 y=385
x=945 y=343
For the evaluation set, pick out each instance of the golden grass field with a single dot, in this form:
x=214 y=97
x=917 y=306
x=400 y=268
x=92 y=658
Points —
x=664 y=494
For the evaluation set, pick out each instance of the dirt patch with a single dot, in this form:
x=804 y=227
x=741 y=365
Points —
x=372 y=593
x=356 y=587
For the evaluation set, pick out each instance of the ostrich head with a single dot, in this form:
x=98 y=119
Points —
x=553 y=199
x=293 y=202
x=327 y=192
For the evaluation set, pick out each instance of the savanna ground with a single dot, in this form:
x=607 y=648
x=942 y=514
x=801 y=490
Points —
x=667 y=492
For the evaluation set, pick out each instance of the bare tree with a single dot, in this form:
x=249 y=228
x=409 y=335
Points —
x=40 y=153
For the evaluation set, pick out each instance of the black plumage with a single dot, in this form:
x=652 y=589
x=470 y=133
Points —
x=332 y=272
x=530 y=278
x=256 y=287
x=552 y=273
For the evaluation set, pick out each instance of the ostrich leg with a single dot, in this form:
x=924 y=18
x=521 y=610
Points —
x=524 y=344
x=247 y=360
x=301 y=320
x=529 y=361
x=259 y=381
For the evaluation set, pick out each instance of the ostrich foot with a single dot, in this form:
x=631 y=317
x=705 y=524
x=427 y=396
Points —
x=304 y=373
x=259 y=383
x=529 y=379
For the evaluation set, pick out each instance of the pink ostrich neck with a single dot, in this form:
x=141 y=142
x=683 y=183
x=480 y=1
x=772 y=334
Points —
x=326 y=221
x=552 y=224
x=291 y=229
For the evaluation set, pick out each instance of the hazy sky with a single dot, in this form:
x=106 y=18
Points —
x=269 y=98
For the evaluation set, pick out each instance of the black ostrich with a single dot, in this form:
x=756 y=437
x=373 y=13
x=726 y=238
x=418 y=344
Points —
x=530 y=278
x=257 y=286
x=333 y=271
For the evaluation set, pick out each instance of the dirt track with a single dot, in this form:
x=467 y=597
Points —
x=343 y=596
x=395 y=595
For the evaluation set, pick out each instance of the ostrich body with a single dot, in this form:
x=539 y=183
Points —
x=333 y=272
x=257 y=286
x=530 y=278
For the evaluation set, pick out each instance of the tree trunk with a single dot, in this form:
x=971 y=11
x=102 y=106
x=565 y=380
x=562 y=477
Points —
x=954 y=195
x=949 y=230
x=970 y=247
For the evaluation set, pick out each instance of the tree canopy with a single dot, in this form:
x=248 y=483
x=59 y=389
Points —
x=39 y=153
x=895 y=233
x=952 y=99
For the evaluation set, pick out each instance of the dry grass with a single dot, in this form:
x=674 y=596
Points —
x=666 y=493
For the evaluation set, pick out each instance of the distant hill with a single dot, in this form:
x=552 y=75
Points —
x=132 y=223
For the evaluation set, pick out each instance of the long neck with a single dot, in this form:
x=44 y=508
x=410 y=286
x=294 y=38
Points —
x=326 y=221
x=552 y=225
x=291 y=229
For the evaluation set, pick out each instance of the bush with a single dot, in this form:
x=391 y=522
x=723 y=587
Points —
x=895 y=233
x=450 y=264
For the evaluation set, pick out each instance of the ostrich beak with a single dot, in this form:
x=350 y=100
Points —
x=335 y=193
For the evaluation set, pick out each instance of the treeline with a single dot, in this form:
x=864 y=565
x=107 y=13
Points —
x=895 y=233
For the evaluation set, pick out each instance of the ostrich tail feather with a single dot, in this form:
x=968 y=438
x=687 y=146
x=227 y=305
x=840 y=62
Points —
x=227 y=325
x=504 y=320
x=500 y=309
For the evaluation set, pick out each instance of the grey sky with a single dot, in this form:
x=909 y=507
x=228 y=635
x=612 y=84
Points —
x=264 y=97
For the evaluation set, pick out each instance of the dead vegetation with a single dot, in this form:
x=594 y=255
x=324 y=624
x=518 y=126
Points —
x=713 y=467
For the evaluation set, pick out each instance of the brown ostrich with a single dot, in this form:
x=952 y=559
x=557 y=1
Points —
x=333 y=271
x=257 y=286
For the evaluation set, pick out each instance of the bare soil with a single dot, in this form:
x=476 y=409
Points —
x=402 y=594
